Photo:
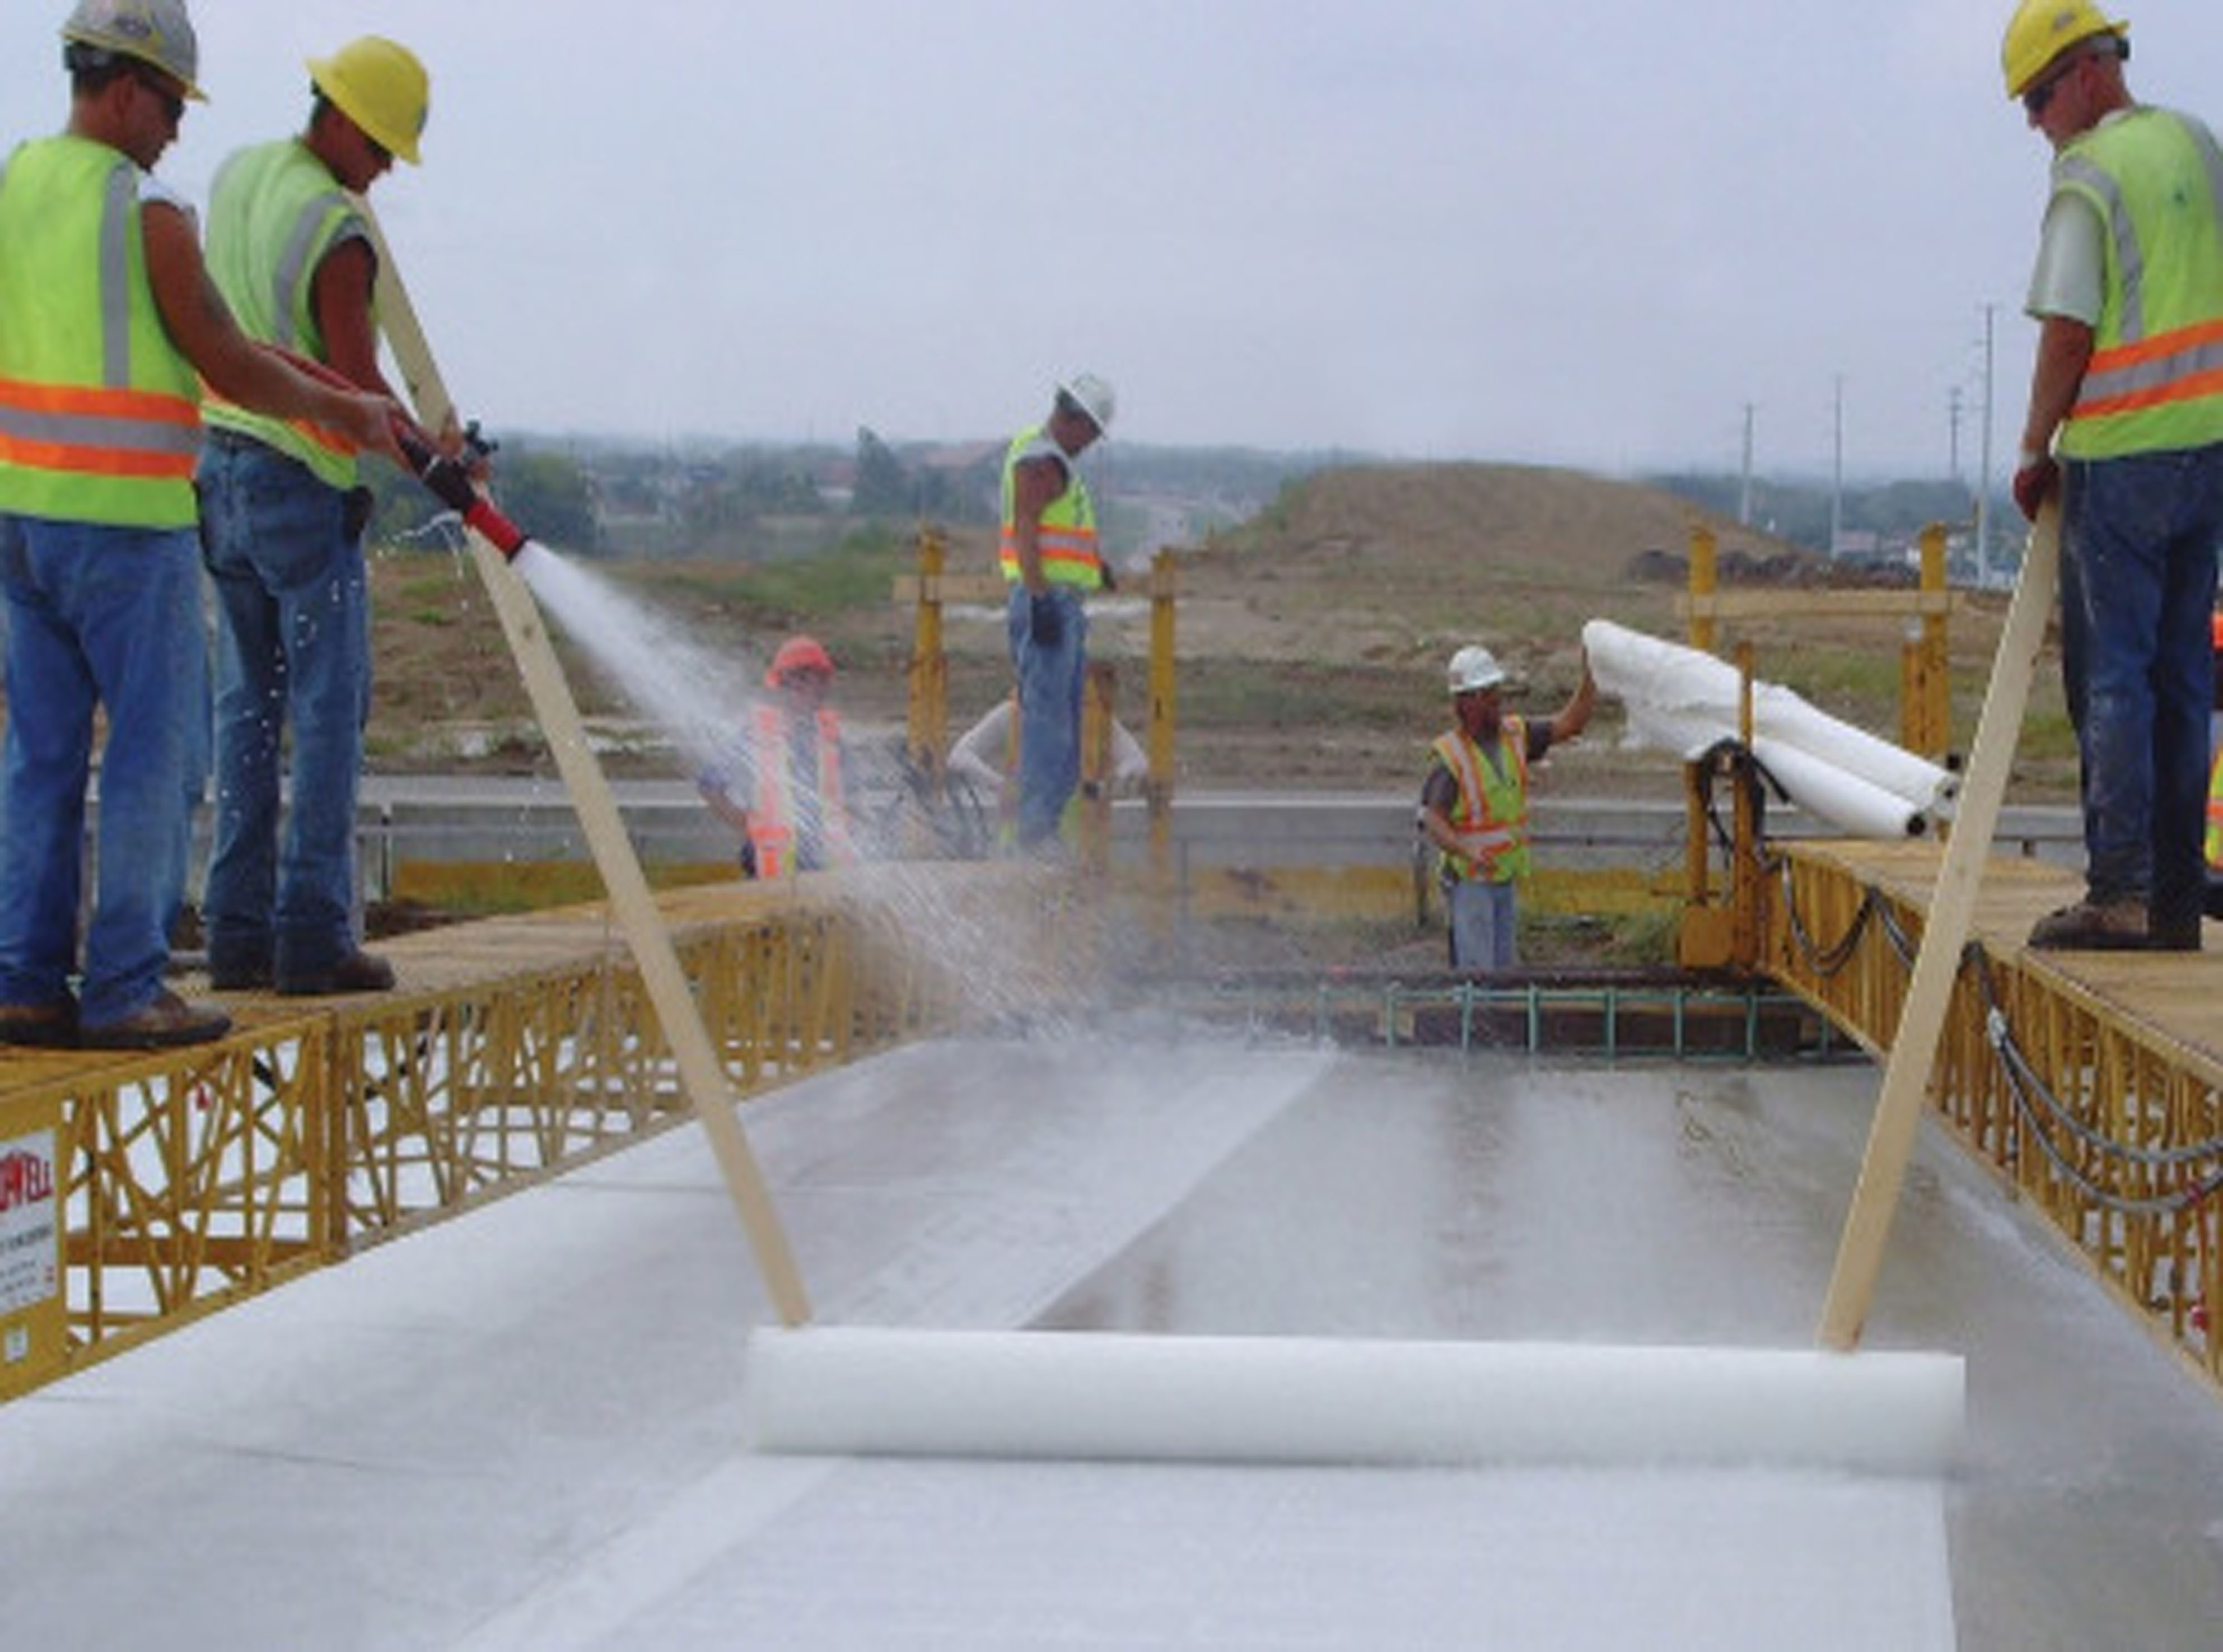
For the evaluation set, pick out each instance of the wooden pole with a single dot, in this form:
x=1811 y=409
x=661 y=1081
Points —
x=702 y=1073
x=1944 y=932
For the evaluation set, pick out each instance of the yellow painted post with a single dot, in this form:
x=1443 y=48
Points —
x=1097 y=699
x=1913 y=702
x=1937 y=682
x=1705 y=581
x=927 y=726
x=1158 y=787
x=1744 y=887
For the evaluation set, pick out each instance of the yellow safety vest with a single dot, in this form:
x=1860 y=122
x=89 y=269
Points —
x=1491 y=816
x=1065 y=536
x=2215 y=814
x=771 y=814
x=99 y=411
x=2155 y=382
x=275 y=211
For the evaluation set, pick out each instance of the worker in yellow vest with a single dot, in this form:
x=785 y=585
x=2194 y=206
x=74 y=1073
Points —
x=781 y=790
x=2125 y=423
x=1474 y=804
x=1050 y=556
x=108 y=328
x=284 y=508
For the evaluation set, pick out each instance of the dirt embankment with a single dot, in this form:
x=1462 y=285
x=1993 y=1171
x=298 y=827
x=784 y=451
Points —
x=1311 y=639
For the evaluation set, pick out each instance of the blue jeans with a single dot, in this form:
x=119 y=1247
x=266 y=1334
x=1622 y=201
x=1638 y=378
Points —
x=2138 y=585
x=1049 y=709
x=108 y=616
x=293 y=649
x=1484 y=919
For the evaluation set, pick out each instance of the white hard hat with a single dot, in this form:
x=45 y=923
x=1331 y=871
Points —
x=1473 y=667
x=1093 y=395
x=153 y=32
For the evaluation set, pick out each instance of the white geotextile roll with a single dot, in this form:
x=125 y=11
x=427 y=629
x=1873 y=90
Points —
x=1852 y=804
x=1085 y=1396
x=1676 y=697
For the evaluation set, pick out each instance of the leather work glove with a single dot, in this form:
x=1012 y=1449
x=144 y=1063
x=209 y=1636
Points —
x=1045 y=625
x=2034 y=479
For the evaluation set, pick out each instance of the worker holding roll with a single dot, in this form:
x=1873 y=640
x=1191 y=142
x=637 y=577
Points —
x=2125 y=424
x=1050 y=556
x=1474 y=804
x=109 y=328
x=781 y=790
x=285 y=510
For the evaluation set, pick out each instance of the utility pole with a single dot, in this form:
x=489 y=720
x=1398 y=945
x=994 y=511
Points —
x=1953 y=435
x=1837 y=470
x=1984 y=483
x=1744 y=492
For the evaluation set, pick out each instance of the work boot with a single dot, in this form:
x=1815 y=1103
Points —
x=168 y=1020
x=40 y=1026
x=2094 y=926
x=2173 y=934
x=355 y=972
x=239 y=975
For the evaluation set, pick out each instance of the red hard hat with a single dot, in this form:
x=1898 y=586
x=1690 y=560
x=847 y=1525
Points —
x=797 y=654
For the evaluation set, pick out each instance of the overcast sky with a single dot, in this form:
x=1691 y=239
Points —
x=1591 y=233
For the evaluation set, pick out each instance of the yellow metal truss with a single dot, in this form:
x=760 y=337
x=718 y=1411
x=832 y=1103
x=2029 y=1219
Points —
x=515 y=1048
x=2091 y=1084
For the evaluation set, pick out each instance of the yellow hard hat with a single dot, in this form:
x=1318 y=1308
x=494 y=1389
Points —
x=382 y=87
x=2041 y=30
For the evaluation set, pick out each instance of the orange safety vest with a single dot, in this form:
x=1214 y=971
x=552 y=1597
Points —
x=771 y=815
x=1491 y=816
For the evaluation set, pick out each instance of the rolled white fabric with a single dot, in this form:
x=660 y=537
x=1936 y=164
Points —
x=1852 y=804
x=1085 y=1396
x=1682 y=698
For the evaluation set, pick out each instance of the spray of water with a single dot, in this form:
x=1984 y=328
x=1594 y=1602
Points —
x=702 y=698
x=698 y=695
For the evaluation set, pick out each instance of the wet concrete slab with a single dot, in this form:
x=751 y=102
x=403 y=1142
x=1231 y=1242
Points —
x=521 y=1429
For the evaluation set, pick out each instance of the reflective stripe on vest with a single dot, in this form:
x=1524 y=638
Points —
x=773 y=812
x=1065 y=536
x=2154 y=381
x=275 y=211
x=1491 y=815
x=99 y=411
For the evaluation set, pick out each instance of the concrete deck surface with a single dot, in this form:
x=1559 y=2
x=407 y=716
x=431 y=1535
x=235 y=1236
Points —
x=519 y=1429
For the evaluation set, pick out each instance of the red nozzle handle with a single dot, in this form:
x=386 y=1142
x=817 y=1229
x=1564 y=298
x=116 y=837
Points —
x=451 y=485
